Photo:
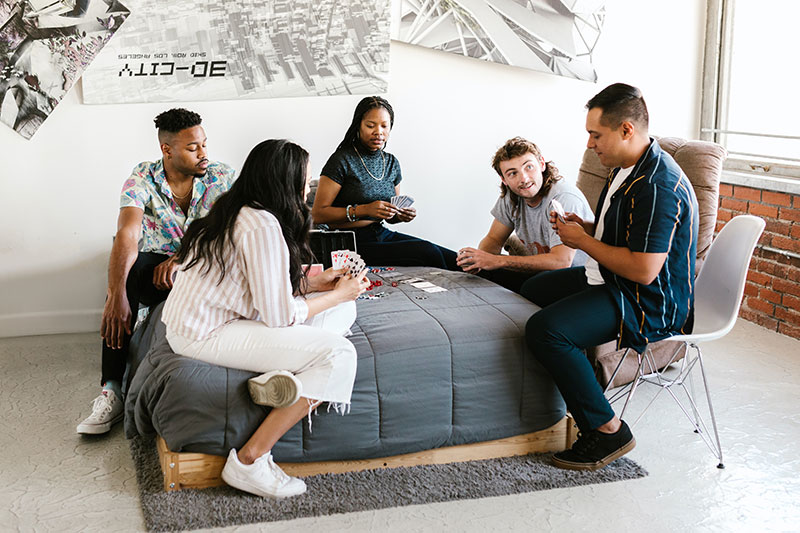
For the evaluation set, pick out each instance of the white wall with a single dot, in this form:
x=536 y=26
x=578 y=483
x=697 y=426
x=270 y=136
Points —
x=59 y=191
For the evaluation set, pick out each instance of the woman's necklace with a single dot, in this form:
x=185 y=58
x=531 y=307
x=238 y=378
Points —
x=383 y=159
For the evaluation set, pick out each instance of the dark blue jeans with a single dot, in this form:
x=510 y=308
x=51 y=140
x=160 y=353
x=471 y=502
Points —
x=140 y=289
x=574 y=316
x=510 y=279
x=379 y=246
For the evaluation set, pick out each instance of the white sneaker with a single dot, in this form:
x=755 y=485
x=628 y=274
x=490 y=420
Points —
x=262 y=478
x=107 y=410
x=278 y=388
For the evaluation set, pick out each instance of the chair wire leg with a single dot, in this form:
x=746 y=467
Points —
x=637 y=379
x=691 y=391
x=710 y=409
x=694 y=417
x=616 y=370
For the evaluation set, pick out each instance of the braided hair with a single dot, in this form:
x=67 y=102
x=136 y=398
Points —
x=370 y=102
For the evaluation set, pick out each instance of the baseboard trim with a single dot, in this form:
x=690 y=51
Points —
x=50 y=322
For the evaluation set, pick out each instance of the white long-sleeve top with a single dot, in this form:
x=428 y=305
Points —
x=256 y=284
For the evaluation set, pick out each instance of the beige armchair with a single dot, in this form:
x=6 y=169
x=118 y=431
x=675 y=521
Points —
x=701 y=161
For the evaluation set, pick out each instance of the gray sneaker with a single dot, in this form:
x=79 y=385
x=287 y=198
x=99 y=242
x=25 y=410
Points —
x=262 y=478
x=278 y=388
x=107 y=410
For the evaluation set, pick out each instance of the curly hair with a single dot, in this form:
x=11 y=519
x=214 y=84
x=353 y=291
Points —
x=370 y=102
x=514 y=148
x=175 y=120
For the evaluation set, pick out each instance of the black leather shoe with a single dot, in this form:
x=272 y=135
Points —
x=595 y=449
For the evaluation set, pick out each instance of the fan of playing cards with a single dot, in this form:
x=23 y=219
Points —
x=348 y=259
x=402 y=201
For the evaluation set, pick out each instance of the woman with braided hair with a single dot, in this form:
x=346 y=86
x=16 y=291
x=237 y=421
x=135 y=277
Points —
x=355 y=191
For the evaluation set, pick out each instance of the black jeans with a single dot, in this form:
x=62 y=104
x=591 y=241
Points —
x=574 y=316
x=140 y=289
x=379 y=246
x=510 y=279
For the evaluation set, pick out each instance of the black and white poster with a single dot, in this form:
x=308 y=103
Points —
x=187 y=50
x=555 y=36
x=45 y=46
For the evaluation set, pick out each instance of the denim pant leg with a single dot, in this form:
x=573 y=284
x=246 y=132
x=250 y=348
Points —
x=139 y=289
x=558 y=334
x=379 y=246
x=510 y=279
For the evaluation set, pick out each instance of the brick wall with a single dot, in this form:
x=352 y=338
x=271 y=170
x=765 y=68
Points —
x=772 y=293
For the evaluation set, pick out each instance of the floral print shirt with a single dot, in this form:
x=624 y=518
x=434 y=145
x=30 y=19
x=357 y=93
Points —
x=164 y=223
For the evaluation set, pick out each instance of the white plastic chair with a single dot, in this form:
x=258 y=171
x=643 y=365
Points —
x=718 y=294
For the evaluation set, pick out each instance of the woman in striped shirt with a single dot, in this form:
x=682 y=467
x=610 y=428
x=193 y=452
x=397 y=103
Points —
x=242 y=300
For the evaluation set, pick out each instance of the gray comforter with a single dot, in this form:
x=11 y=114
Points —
x=434 y=369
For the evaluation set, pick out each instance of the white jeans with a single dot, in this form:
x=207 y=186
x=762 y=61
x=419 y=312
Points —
x=316 y=352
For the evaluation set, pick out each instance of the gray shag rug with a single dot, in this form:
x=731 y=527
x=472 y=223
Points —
x=355 y=491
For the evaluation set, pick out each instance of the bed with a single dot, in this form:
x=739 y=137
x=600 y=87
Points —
x=437 y=370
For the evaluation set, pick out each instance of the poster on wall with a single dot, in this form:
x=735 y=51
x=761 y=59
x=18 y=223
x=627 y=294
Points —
x=45 y=46
x=219 y=50
x=555 y=36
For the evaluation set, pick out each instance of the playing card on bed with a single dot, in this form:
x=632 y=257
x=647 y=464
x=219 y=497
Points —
x=402 y=201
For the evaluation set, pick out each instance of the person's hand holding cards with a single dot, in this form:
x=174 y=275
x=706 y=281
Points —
x=354 y=279
x=348 y=260
x=325 y=280
x=557 y=209
x=569 y=226
x=405 y=213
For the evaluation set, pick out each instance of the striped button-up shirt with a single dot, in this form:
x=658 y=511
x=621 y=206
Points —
x=256 y=284
x=653 y=211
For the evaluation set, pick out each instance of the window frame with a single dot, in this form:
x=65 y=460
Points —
x=713 y=106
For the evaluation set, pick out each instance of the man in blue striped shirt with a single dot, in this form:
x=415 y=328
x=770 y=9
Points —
x=637 y=287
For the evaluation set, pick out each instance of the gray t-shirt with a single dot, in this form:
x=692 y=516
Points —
x=532 y=224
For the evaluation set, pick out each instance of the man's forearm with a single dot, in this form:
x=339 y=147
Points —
x=534 y=263
x=639 y=267
x=490 y=245
x=123 y=256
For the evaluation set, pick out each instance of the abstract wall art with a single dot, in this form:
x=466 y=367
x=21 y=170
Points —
x=555 y=36
x=45 y=46
x=185 y=50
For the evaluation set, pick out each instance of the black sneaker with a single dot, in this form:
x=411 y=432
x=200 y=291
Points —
x=595 y=449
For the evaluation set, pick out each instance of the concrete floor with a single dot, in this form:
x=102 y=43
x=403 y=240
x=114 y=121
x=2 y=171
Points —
x=55 y=480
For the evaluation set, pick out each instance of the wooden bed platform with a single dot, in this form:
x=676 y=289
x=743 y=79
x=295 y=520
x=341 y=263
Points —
x=199 y=470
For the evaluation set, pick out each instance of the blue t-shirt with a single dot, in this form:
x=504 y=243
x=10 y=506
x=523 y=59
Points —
x=364 y=176
x=653 y=211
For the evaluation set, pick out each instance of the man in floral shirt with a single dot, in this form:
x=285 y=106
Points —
x=158 y=202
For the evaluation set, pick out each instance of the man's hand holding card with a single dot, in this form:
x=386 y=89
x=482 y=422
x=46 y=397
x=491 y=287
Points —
x=558 y=209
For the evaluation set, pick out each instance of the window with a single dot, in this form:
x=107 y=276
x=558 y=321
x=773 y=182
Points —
x=751 y=102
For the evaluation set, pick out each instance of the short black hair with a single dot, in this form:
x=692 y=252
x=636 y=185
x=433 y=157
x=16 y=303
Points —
x=620 y=102
x=175 y=120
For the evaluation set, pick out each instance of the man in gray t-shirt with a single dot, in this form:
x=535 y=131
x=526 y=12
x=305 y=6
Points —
x=528 y=185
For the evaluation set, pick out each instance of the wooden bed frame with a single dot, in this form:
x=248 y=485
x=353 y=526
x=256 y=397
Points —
x=200 y=470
